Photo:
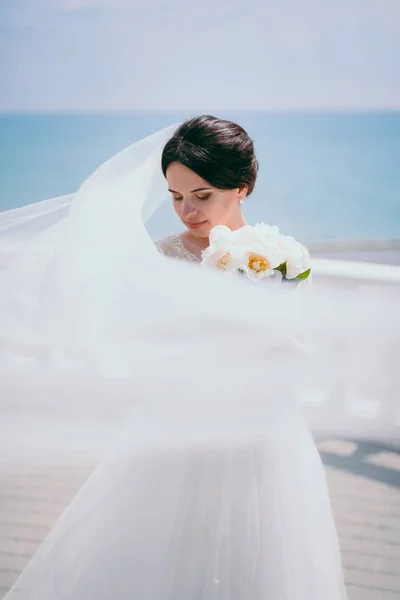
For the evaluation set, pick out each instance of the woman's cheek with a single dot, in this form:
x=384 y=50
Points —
x=212 y=211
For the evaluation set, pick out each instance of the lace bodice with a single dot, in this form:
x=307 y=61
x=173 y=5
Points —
x=172 y=245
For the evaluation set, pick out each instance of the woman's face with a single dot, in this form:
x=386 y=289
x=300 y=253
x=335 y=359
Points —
x=200 y=206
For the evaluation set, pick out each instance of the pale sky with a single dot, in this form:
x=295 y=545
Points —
x=126 y=55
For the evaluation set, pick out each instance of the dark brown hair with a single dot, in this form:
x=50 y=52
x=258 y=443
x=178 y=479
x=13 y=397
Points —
x=219 y=151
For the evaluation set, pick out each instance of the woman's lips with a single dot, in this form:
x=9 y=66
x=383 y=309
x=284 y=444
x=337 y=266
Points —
x=196 y=225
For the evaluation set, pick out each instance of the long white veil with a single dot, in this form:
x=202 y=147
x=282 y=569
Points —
x=84 y=289
x=99 y=331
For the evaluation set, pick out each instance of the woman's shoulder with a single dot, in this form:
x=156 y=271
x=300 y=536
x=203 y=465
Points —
x=168 y=244
x=172 y=245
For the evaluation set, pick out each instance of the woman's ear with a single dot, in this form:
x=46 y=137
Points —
x=242 y=193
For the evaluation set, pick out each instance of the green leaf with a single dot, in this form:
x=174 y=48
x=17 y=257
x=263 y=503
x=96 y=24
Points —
x=282 y=269
x=302 y=276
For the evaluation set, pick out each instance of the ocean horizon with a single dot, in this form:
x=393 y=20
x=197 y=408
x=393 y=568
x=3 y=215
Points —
x=324 y=176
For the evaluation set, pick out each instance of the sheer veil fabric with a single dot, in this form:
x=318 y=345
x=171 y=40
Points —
x=186 y=388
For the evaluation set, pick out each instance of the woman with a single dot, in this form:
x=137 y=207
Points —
x=218 y=492
x=205 y=196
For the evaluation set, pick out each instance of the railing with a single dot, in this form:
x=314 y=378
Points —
x=337 y=409
x=354 y=272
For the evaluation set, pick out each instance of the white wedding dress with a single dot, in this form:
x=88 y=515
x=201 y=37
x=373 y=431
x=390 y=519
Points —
x=198 y=521
x=215 y=514
x=202 y=518
x=212 y=487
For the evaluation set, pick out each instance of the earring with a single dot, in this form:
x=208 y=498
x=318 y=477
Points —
x=241 y=201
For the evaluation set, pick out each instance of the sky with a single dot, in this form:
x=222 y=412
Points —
x=163 y=55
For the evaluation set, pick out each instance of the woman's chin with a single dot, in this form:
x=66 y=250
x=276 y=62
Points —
x=200 y=231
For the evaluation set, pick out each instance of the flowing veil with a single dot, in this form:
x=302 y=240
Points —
x=105 y=343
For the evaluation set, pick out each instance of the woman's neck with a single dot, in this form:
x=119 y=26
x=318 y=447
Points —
x=237 y=221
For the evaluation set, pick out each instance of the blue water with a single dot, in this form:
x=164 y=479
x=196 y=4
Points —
x=322 y=176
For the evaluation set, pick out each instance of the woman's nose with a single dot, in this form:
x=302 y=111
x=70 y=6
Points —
x=188 y=209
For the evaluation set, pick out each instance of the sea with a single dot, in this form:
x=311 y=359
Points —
x=323 y=176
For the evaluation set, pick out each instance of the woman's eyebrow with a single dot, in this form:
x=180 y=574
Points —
x=196 y=190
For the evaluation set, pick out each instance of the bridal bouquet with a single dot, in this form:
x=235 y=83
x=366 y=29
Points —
x=258 y=252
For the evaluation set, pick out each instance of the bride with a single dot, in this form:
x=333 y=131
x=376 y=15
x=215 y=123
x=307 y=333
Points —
x=210 y=166
x=215 y=490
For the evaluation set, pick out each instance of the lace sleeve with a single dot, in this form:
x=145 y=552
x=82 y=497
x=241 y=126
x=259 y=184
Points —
x=171 y=245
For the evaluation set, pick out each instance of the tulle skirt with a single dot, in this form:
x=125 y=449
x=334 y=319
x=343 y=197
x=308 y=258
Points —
x=207 y=519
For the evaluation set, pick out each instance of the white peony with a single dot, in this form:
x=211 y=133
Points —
x=266 y=232
x=221 y=235
x=260 y=261
x=223 y=251
x=297 y=256
x=221 y=257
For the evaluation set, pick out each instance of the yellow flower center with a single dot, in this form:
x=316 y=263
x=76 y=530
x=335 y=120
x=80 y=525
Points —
x=223 y=261
x=258 y=263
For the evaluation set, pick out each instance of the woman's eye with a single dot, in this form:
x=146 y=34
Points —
x=204 y=197
x=177 y=198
